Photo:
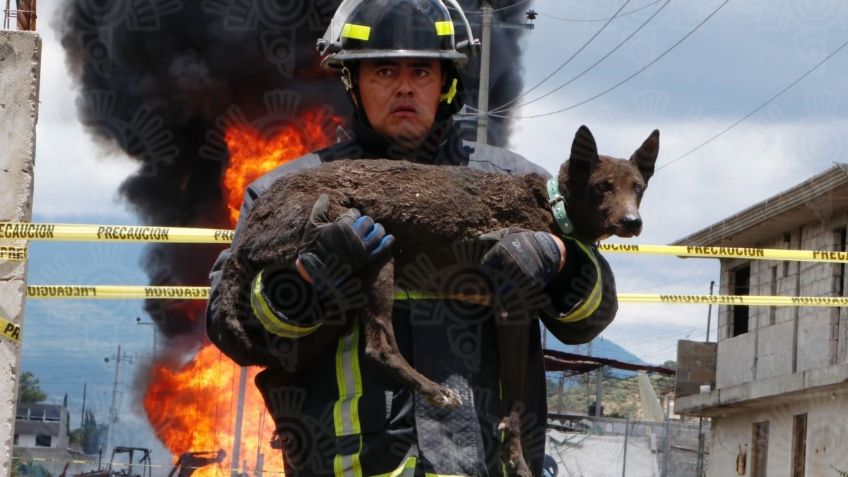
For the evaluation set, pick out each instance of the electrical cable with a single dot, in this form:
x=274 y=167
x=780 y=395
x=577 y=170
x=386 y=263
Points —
x=589 y=20
x=525 y=3
x=591 y=67
x=502 y=107
x=758 y=108
x=625 y=80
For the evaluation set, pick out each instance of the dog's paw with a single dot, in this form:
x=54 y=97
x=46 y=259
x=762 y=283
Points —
x=518 y=468
x=444 y=397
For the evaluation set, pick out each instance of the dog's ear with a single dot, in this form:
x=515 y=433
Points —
x=646 y=155
x=584 y=154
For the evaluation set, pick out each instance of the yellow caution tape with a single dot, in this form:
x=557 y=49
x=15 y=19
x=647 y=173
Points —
x=728 y=252
x=10 y=330
x=144 y=233
x=749 y=300
x=112 y=233
x=13 y=253
x=116 y=292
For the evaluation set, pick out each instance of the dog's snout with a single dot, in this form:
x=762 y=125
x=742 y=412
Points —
x=632 y=223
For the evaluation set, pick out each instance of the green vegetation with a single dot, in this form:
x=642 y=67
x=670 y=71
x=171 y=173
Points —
x=621 y=395
x=29 y=390
x=87 y=436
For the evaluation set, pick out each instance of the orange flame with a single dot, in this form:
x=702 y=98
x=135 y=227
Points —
x=251 y=154
x=194 y=408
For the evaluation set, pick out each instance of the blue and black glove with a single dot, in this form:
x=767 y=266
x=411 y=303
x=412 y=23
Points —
x=527 y=256
x=336 y=250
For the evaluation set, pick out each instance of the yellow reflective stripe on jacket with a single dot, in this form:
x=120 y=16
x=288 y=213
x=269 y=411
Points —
x=401 y=294
x=407 y=469
x=349 y=381
x=593 y=301
x=272 y=324
x=356 y=32
x=346 y=408
x=444 y=28
x=347 y=465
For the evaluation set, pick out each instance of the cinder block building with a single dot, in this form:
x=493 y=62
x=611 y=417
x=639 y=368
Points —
x=778 y=376
x=41 y=426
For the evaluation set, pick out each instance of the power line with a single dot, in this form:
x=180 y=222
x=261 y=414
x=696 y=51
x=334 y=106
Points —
x=522 y=4
x=589 y=20
x=625 y=80
x=561 y=66
x=593 y=65
x=758 y=108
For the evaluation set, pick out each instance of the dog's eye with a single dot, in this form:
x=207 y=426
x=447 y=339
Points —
x=637 y=188
x=603 y=187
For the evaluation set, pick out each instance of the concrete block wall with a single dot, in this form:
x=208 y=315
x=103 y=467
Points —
x=822 y=333
x=735 y=358
x=20 y=65
x=696 y=366
x=827 y=419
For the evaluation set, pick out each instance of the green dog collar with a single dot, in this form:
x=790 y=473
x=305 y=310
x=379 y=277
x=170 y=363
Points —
x=557 y=203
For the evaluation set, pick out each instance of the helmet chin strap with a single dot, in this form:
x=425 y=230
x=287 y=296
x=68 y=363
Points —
x=352 y=89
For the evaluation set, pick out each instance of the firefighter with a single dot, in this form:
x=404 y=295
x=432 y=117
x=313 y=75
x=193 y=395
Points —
x=340 y=414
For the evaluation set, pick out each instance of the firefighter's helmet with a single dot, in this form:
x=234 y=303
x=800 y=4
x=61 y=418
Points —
x=403 y=29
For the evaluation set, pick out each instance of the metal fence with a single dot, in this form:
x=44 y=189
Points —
x=601 y=447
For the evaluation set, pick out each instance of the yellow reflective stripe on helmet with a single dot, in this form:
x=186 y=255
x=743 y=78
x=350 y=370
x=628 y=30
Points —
x=593 y=301
x=444 y=28
x=272 y=324
x=356 y=32
x=448 y=97
x=346 y=408
x=407 y=469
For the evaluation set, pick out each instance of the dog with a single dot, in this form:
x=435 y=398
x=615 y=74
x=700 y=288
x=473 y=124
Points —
x=425 y=207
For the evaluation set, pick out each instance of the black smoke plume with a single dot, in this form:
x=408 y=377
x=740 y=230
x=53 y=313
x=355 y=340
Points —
x=159 y=79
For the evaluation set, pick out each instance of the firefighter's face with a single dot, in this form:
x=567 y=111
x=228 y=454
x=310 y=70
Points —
x=401 y=96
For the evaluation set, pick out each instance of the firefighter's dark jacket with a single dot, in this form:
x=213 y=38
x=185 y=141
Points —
x=341 y=414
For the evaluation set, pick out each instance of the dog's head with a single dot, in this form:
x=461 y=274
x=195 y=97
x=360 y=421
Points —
x=604 y=193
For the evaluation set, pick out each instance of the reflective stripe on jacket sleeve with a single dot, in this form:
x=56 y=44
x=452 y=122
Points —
x=588 y=305
x=273 y=322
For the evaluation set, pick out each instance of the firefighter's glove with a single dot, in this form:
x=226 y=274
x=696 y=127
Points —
x=528 y=257
x=334 y=251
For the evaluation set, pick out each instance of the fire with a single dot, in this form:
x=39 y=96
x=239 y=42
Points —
x=252 y=154
x=193 y=408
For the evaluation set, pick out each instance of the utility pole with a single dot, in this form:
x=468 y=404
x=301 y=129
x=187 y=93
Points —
x=234 y=462
x=486 y=25
x=82 y=416
x=155 y=332
x=483 y=94
x=561 y=392
x=112 y=409
x=710 y=311
x=700 y=465
x=599 y=390
x=626 y=435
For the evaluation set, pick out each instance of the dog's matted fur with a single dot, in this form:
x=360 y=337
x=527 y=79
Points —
x=427 y=208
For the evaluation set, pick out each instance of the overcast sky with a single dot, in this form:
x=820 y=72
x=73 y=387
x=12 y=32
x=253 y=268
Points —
x=747 y=52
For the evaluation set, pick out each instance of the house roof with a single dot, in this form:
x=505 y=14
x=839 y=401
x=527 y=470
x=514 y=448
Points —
x=37 y=428
x=816 y=198
x=52 y=412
